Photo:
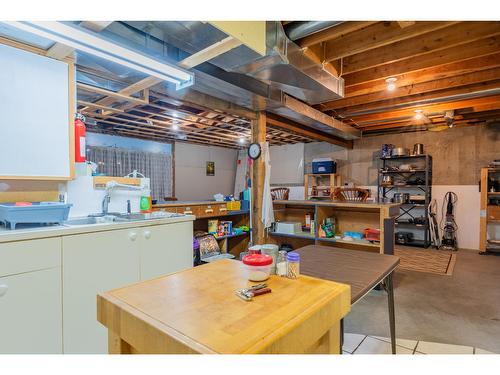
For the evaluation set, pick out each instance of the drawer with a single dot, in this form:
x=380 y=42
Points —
x=493 y=213
x=24 y=256
x=187 y=210
x=222 y=209
x=208 y=210
x=173 y=210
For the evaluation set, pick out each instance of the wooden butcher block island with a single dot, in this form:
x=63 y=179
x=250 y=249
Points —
x=197 y=311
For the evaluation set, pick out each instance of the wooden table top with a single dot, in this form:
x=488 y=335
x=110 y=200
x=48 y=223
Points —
x=199 y=309
x=336 y=203
x=361 y=270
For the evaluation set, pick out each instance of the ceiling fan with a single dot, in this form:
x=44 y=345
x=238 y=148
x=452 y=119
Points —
x=448 y=116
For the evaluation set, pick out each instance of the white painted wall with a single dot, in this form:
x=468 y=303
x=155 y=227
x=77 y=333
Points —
x=287 y=164
x=191 y=181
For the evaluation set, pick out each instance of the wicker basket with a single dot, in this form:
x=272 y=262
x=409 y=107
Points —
x=350 y=194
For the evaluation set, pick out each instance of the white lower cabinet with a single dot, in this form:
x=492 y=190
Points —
x=30 y=313
x=165 y=249
x=98 y=262
x=94 y=263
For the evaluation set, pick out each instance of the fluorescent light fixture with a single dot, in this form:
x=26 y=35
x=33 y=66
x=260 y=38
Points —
x=391 y=83
x=94 y=44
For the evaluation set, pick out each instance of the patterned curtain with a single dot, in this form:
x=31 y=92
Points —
x=119 y=162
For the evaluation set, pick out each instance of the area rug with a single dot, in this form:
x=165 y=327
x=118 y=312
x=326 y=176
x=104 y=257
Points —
x=426 y=260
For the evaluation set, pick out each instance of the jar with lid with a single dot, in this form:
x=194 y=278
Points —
x=293 y=261
x=281 y=266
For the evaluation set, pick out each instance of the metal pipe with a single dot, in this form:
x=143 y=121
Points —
x=300 y=29
x=469 y=95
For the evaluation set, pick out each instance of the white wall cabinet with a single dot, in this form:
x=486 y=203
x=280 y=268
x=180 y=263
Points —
x=37 y=96
x=30 y=297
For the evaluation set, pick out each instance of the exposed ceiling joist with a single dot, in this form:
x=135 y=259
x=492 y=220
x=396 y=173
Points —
x=375 y=36
x=434 y=59
x=333 y=32
x=444 y=38
x=210 y=52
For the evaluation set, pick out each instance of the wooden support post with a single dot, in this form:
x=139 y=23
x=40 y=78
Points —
x=258 y=175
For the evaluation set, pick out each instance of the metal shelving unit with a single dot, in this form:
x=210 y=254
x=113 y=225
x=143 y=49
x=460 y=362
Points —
x=408 y=210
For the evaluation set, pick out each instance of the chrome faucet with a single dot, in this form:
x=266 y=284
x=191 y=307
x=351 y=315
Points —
x=105 y=202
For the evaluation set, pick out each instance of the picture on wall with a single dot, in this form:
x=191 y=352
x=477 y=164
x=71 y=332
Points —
x=210 y=168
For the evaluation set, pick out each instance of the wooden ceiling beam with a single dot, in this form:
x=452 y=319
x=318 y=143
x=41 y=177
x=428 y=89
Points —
x=429 y=74
x=413 y=99
x=444 y=38
x=333 y=32
x=377 y=35
x=410 y=111
x=417 y=88
x=302 y=130
x=210 y=52
x=431 y=60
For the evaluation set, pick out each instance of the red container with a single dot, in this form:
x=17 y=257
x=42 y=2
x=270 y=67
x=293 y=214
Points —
x=372 y=234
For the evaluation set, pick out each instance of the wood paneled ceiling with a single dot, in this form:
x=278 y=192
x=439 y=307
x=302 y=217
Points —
x=438 y=66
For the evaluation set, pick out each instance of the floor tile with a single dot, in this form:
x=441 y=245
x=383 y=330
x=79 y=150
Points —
x=374 y=346
x=482 y=351
x=408 y=344
x=351 y=341
x=436 y=348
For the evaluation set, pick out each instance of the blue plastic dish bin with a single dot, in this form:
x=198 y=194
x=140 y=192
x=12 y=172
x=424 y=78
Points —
x=36 y=213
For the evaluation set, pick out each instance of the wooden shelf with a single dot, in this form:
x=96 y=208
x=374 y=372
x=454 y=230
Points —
x=493 y=194
x=231 y=236
x=304 y=235
x=353 y=242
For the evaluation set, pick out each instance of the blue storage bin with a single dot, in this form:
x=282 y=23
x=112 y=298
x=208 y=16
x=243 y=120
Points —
x=36 y=213
x=245 y=205
x=324 y=165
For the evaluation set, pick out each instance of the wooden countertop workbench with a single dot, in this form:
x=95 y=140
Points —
x=197 y=311
x=354 y=205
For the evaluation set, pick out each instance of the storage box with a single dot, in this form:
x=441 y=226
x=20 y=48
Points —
x=233 y=205
x=324 y=165
x=288 y=227
x=245 y=205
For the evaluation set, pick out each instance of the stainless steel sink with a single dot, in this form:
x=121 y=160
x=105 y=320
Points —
x=90 y=220
x=131 y=217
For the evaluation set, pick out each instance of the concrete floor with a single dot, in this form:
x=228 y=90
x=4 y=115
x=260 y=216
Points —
x=462 y=309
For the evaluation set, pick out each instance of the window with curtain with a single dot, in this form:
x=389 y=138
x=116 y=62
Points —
x=114 y=161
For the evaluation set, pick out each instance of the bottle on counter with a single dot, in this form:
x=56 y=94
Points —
x=281 y=264
x=293 y=262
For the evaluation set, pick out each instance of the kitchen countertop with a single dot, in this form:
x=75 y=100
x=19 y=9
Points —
x=185 y=203
x=7 y=235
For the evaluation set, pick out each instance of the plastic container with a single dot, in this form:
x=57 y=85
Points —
x=33 y=213
x=258 y=266
x=272 y=250
x=324 y=165
x=233 y=205
x=281 y=265
x=293 y=261
x=255 y=249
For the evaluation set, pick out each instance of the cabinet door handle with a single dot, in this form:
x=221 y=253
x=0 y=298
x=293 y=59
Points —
x=223 y=209
x=132 y=236
x=3 y=289
x=188 y=212
x=147 y=234
x=209 y=211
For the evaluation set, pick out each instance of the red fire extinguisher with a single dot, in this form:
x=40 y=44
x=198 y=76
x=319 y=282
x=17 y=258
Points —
x=80 y=147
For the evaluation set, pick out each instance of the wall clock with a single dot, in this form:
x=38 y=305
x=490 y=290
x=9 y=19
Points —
x=254 y=151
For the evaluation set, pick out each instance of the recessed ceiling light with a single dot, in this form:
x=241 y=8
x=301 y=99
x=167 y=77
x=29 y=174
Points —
x=418 y=114
x=242 y=140
x=391 y=83
x=175 y=127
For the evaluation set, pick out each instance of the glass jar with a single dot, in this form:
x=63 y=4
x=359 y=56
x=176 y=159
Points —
x=293 y=261
x=281 y=265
